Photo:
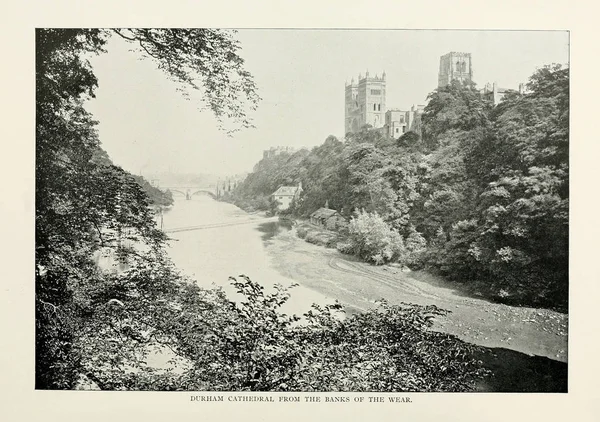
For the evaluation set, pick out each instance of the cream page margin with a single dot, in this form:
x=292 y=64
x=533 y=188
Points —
x=18 y=399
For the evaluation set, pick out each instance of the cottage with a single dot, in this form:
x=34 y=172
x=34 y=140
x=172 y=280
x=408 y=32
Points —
x=326 y=217
x=285 y=194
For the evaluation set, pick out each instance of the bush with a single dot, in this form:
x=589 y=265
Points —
x=345 y=247
x=301 y=232
x=374 y=240
x=252 y=346
x=331 y=241
x=322 y=239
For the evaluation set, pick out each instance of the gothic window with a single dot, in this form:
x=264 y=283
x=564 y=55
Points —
x=458 y=66
x=378 y=107
x=464 y=66
x=374 y=107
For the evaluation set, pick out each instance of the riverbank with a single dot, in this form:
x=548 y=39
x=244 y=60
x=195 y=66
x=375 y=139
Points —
x=523 y=342
x=214 y=240
x=527 y=347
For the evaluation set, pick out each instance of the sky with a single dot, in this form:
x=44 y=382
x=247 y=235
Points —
x=147 y=127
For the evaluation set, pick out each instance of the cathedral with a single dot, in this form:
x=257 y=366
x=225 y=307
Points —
x=365 y=105
x=455 y=66
x=365 y=99
x=365 y=102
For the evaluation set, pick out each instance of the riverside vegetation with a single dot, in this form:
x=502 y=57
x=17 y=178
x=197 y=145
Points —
x=480 y=196
x=98 y=325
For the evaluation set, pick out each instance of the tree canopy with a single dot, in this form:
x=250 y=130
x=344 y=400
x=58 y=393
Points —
x=486 y=186
x=101 y=323
x=85 y=205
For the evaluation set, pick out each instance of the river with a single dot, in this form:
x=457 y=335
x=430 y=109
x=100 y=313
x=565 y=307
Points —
x=215 y=240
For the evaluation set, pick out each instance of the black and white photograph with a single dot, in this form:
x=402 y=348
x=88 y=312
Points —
x=301 y=210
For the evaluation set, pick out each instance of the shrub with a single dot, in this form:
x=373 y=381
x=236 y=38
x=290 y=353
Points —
x=345 y=247
x=315 y=238
x=301 y=232
x=342 y=226
x=251 y=345
x=374 y=240
x=328 y=240
x=415 y=247
x=331 y=241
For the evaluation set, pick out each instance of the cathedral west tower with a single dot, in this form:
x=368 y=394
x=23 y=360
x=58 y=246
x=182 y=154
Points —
x=365 y=103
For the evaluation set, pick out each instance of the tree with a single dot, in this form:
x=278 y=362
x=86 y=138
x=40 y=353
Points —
x=524 y=197
x=454 y=122
x=102 y=324
x=374 y=240
x=455 y=107
x=85 y=204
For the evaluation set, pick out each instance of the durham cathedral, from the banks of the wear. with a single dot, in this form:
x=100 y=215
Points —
x=365 y=100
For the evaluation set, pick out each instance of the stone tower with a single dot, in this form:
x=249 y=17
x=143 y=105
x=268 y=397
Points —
x=365 y=103
x=455 y=66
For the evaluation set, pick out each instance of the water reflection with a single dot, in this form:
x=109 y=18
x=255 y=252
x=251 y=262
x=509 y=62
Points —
x=271 y=229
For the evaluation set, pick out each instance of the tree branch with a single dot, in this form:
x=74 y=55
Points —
x=117 y=31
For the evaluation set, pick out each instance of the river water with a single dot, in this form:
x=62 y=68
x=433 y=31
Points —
x=214 y=240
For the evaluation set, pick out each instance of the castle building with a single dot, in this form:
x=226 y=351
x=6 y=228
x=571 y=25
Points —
x=455 y=66
x=395 y=123
x=273 y=151
x=495 y=94
x=398 y=122
x=365 y=103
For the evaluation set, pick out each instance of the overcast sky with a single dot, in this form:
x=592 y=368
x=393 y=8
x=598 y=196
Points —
x=146 y=126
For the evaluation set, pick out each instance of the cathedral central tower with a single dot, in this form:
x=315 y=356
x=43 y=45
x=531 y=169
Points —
x=455 y=66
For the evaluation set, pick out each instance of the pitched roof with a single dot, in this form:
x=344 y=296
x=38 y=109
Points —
x=286 y=191
x=323 y=213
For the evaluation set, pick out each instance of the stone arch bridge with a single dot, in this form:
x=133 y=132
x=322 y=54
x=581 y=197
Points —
x=189 y=191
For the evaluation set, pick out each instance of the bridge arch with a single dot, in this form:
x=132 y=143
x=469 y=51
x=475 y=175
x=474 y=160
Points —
x=174 y=191
x=204 y=192
x=189 y=191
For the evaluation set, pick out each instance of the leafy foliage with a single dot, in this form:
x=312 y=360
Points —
x=202 y=59
x=374 y=240
x=428 y=201
x=251 y=345
x=156 y=196
x=86 y=206
x=482 y=195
